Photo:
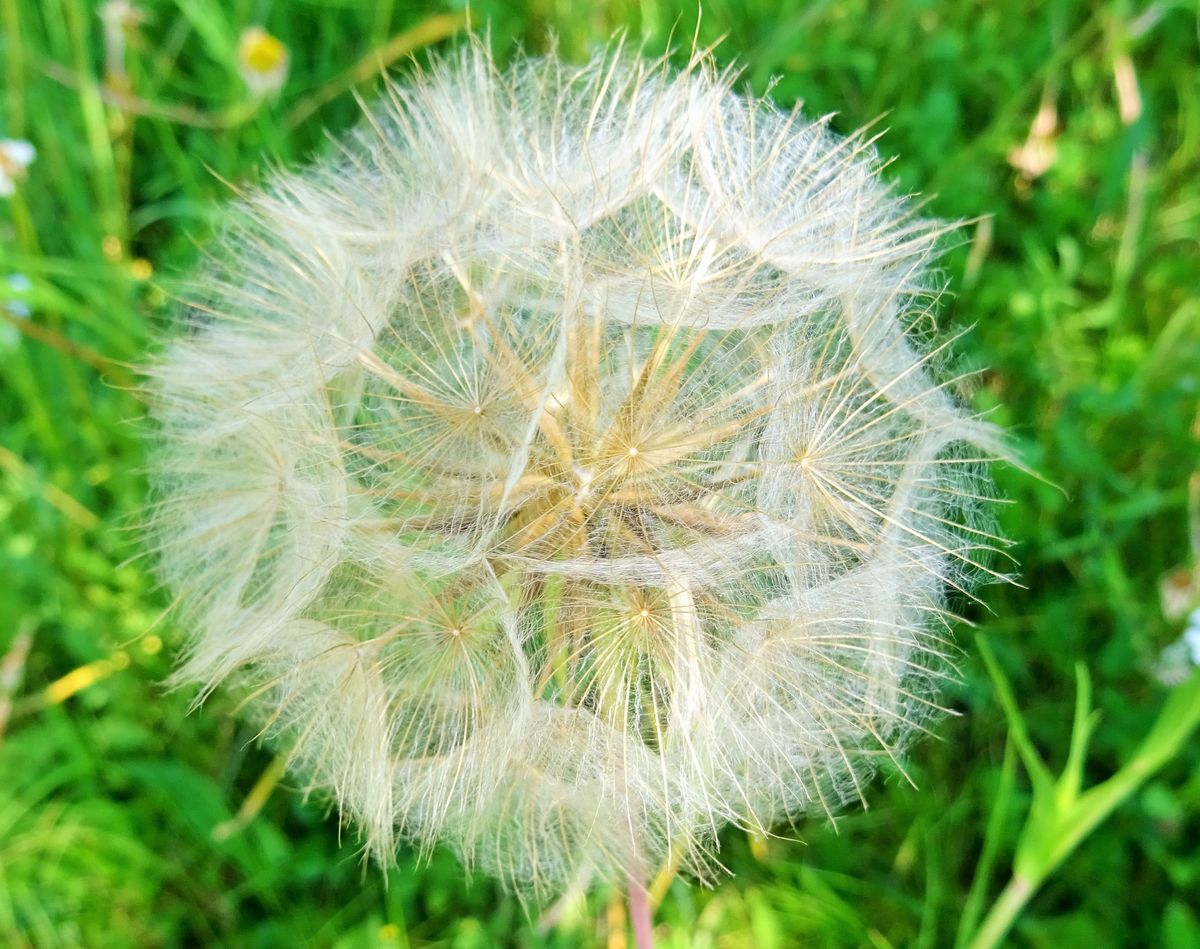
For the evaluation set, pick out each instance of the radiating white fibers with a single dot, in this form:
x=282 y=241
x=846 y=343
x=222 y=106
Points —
x=558 y=473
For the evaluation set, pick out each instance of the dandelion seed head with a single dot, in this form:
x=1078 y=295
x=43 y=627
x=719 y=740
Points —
x=558 y=471
x=16 y=155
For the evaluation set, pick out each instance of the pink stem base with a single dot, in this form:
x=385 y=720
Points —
x=640 y=916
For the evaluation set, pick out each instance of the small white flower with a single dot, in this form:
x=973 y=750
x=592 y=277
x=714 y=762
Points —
x=16 y=155
x=1178 y=660
x=14 y=305
x=262 y=62
x=1191 y=636
x=19 y=286
x=1178 y=590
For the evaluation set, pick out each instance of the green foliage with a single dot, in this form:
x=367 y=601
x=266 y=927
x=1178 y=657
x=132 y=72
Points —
x=1062 y=813
x=1079 y=284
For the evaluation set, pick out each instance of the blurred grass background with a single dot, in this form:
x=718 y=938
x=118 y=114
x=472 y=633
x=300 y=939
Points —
x=1067 y=132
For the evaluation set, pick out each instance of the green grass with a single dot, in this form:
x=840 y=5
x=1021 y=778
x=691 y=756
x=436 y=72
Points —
x=1080 y=286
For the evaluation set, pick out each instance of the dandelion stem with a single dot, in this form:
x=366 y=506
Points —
x=639 y=915
x=1005 y=911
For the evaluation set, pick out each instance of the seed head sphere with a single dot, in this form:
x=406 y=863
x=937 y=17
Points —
x=557 y=470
